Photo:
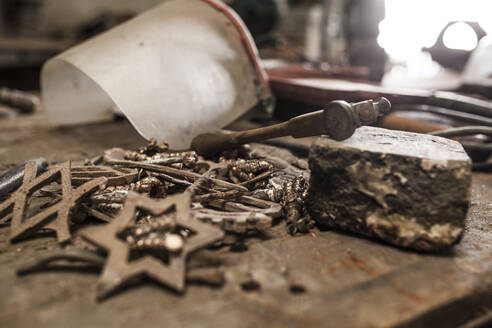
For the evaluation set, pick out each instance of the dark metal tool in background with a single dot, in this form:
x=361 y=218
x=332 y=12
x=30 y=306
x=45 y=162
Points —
x=338 y=120
x=315 y=92
x=21 y=101
x=12 y=179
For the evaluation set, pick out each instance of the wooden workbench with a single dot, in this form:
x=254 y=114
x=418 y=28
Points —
x=324 y=278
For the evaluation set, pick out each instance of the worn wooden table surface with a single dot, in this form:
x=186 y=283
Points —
x=324 y=278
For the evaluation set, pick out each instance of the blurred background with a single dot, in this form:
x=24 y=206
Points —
x=406 y=43
x=397 y=46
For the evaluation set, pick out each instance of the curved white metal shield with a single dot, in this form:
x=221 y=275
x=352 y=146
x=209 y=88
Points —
x=183 y=68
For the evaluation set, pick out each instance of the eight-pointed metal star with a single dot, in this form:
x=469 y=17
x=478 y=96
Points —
x=118 y=270
x=22 y=226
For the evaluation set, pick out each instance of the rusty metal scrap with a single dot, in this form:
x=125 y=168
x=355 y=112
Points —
x=55 y=217
x=248 y=204
x=158 y=207
x=11 y=184
x=6 y=211
x=214 y=193
x=244 y=170
x=155 y=153
x=7 y=206
x=135 y=156
x=107 y=203
x=273 y=191
x=161 y=233
x=232 y=194
x=169 y=242
x=109 y=196
x=154 y=147
x=240 y=221
x=295 y=194
x=96 y=212
x=151 y=186
x=114 y=176
x=236 y=222
x=114 y=156
x=245 y=214
x=118 y=269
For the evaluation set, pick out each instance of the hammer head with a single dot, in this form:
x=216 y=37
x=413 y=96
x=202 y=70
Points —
x=342 y=118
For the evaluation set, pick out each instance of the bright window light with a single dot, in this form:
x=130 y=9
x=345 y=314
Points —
x=411 y=25
x=460 y=36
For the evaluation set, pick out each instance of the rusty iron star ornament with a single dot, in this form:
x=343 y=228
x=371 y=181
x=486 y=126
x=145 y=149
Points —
x=118 y=270
x=56 y=217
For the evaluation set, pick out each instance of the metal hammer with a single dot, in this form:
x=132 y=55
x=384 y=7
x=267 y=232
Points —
x=338 y=120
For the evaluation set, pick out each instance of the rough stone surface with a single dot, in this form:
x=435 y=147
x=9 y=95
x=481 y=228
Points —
x=408 y=189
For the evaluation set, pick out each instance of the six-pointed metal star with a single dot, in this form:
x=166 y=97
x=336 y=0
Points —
x=55 y=217
x=118 y=269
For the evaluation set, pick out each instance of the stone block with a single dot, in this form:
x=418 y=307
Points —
x=407 y=189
